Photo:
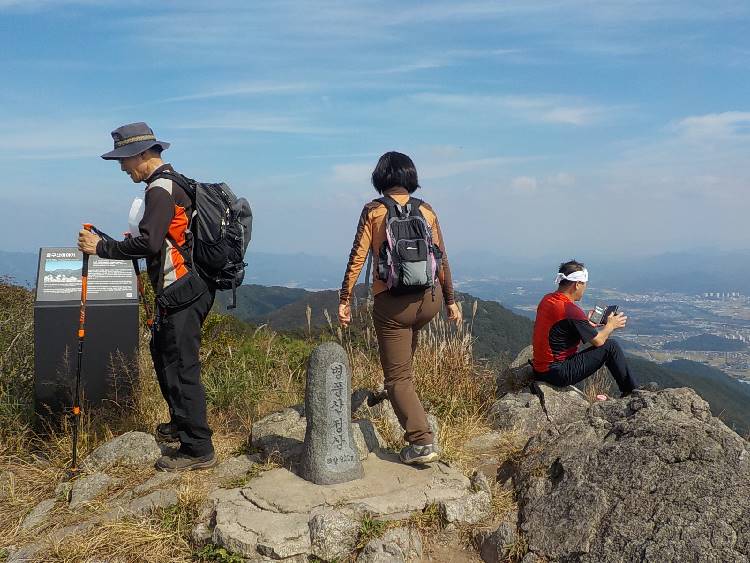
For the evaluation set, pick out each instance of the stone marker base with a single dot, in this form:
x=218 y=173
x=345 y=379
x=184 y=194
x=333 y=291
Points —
x=279 y=515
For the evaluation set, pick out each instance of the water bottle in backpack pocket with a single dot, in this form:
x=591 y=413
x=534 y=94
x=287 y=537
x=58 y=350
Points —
x=408 y=261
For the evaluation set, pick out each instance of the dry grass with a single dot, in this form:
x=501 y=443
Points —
x=162 y=536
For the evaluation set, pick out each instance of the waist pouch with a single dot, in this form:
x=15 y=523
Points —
x=182 y=292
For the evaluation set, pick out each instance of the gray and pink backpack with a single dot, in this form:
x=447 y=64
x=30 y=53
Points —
x=409 y=261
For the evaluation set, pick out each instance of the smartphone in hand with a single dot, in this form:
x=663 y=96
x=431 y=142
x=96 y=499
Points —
x=600 y=314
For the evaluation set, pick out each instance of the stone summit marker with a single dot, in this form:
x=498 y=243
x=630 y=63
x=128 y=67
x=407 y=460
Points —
x=329 y=455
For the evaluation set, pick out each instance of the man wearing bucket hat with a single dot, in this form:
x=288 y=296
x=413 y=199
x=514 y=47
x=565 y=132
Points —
x=183 y=301
x=561 y=325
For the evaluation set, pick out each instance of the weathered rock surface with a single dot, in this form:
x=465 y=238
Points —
x=469 y=509
x=366 y=438
x=279 y=514
x=522 y=412
x=651 y=478
x=399 y=545
x=333 y=532
x=517 y=375
x=88 y=487
x=159 y=480
x=480 y=482
x=235 y=468
x=494 y=545
x=38 y=514
x=132 y=449
x=280 y=433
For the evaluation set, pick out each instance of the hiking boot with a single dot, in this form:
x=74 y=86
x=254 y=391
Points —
x=180 y=461
x=415 y=454
x=376 y=397
x=167 y=432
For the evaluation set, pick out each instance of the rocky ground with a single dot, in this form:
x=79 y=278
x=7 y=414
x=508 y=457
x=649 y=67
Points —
x=653 y=477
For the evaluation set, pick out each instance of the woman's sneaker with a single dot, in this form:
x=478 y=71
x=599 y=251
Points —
x=167 y=432
x=415 y=454
x=180 y=461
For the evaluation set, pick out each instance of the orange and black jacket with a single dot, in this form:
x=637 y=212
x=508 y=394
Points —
x=370 y=236
x=165 y=223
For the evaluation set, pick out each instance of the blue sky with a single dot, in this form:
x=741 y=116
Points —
x=542 y=127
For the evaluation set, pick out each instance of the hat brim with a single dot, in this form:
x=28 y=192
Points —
x=133 y=149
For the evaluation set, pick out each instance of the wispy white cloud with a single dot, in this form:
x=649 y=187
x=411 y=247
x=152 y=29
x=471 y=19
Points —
x=244 y=89
x=433 y=163
x=351 y=173
x=452 y=57
x=53 y=139
x=413 y=67
x=262 y=123
x=715 y=126
x=438 y=169
x=545 y=109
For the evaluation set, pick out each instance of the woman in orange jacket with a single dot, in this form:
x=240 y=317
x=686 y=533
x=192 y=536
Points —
x=398 y=311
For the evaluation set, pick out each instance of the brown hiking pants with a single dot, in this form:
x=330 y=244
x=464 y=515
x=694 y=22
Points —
x=398 y=319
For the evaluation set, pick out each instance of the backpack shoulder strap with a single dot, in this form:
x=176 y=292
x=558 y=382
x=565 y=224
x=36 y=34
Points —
x=184 y=182
x=415 y=204
x=394 y=208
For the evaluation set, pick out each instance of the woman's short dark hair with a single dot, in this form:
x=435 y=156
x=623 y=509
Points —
x=395 y=169
x=568 y=268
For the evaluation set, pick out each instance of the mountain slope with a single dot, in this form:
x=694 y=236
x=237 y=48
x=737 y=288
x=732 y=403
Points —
x=499 y=332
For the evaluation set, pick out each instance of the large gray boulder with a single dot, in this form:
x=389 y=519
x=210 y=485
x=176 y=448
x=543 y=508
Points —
x=523 y=414
x=651 y=478
x=132 y=449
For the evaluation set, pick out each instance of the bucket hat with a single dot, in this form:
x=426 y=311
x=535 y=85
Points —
x=133 y=139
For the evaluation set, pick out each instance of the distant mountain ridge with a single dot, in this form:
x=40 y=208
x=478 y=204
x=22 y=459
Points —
x=498 y=331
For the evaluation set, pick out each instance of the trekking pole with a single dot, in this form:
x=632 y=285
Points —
x=81 y=336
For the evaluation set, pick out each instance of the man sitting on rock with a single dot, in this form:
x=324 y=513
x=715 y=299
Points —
x=561 y=326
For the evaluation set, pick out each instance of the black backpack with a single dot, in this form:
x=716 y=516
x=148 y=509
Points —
x=408 y=261
x=221 y=225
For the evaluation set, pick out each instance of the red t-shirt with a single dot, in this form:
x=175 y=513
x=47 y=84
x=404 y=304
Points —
x=559 y=328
